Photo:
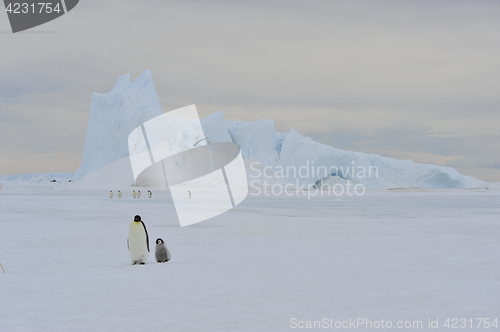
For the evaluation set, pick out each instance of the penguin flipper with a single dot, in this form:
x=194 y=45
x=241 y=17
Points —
x=147 y=236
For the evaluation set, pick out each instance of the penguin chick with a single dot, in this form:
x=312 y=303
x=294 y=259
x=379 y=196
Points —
x=162 y=254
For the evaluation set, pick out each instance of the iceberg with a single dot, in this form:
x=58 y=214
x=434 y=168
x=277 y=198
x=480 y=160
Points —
x=112 y=118
x=280 y=157
x=285 y=155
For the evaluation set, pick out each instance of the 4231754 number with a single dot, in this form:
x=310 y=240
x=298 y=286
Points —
x=471 y=323
x=34 y=8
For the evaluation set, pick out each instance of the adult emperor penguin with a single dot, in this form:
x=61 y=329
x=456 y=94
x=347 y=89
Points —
x=111 y=194
x=119 y=194
x=150 y=193
x=133 y=194
x=162 y=254
x=138 y=194
x=138 y=241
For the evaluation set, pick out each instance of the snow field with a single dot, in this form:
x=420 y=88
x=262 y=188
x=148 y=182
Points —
x=392 y=255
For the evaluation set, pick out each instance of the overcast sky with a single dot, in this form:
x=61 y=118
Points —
x=407 y=79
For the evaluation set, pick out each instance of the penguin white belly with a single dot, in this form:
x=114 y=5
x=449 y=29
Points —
x=137 y=243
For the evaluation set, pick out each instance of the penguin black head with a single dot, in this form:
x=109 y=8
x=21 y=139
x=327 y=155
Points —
x=137 y=218
x=159 y=241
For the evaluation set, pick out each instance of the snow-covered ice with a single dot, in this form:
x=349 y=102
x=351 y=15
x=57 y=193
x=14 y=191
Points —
x=34 y=178
x=392 y=255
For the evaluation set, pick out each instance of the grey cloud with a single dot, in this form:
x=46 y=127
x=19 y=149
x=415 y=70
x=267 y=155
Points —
x=481 y=161
x=12 y=87
x=391 y=76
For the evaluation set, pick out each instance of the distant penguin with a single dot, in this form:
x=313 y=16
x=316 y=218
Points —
x=119 y=194
x=189 y=194
x=111 y=194
x=138 y=194
x=133 y=194
x=150 y=193
x=162 y=254
x=138 y=241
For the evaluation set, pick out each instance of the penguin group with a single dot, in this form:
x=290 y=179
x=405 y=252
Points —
x=134 y=194
x=111 y=195
x=138 y=244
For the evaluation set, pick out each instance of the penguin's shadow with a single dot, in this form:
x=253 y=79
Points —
x=152 y=263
